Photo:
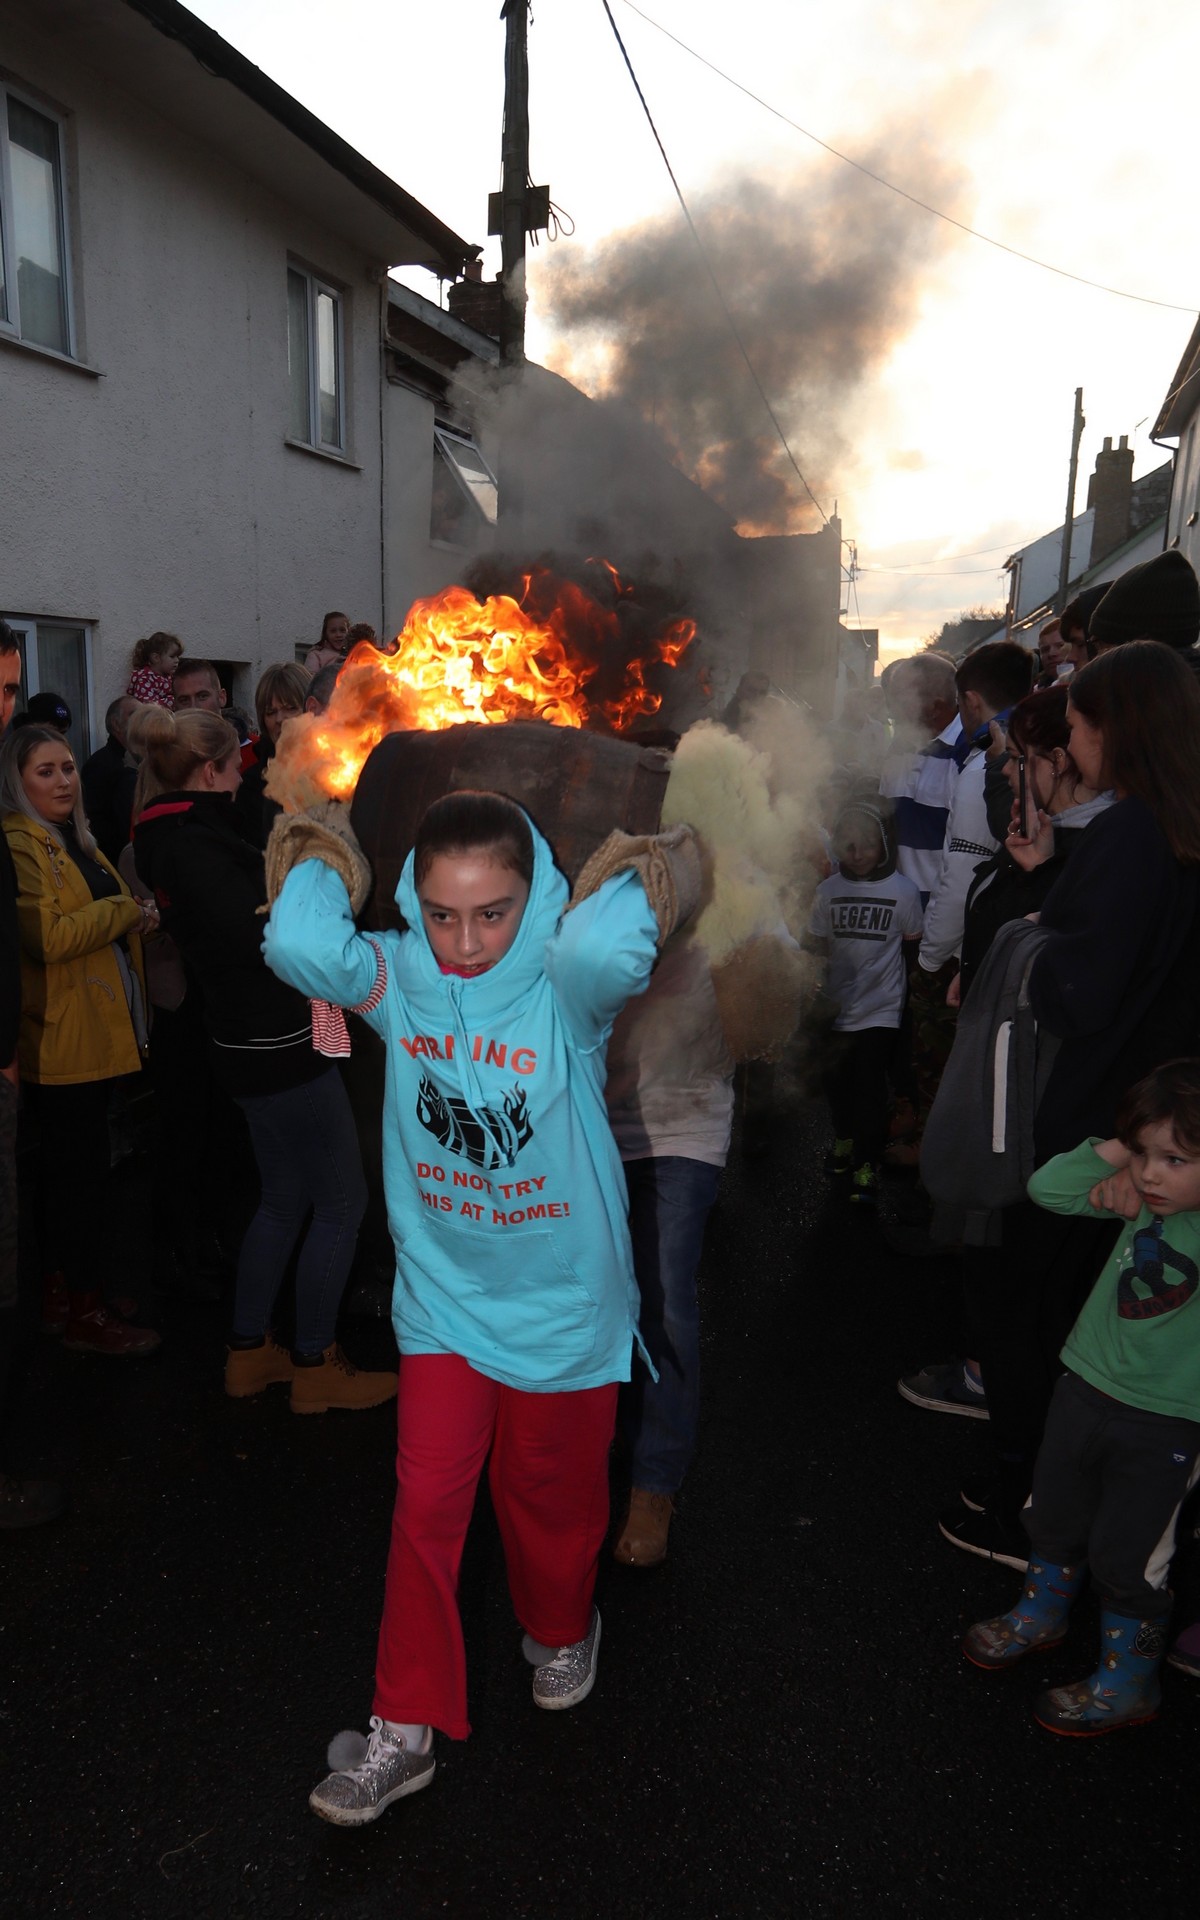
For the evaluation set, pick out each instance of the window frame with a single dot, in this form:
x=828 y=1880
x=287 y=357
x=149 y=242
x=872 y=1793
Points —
x=10 y=328
x=26 y=627
x=316 y=284
x=444 y=438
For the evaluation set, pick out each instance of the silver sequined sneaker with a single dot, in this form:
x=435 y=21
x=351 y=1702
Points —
x=370 y=1771
x=571 y=1675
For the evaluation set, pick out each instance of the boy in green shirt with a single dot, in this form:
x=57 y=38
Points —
x=1122 y=1442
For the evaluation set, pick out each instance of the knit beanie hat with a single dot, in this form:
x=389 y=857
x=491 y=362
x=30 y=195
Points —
x=1079 y=611
x=47 y=710
x=1160 y=600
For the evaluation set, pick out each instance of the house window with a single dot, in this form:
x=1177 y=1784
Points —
x=464 y=489
x=316 y=363
x=34 y=294
x=56 y=657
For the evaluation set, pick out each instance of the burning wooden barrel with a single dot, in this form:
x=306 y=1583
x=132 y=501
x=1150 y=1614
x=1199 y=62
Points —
x=575 y=786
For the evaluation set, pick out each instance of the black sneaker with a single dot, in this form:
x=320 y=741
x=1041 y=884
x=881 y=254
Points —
x=945 y=1388
x=989 y=1534
x=978 y=1491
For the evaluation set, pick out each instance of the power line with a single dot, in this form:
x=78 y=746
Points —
x=975 y=554
x=716 y=285
x=1030 y=259
x=962 y=573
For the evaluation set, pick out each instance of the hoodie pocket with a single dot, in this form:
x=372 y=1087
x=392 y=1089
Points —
x=511 y=1292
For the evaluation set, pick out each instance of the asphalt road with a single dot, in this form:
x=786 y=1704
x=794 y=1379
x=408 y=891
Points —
x=782 y=1722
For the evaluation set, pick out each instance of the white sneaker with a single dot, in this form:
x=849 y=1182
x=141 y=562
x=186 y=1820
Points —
x=380 y=1769
x=571 y=1675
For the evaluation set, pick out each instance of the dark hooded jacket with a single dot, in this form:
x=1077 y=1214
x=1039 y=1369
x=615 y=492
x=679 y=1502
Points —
x=208 y=882
x=1116 y=982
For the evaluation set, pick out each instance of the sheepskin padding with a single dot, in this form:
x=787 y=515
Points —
x=347 y=1749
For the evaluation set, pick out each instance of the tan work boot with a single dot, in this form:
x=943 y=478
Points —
x=249 y=1369
x=642 y=1541
x=335 y=1383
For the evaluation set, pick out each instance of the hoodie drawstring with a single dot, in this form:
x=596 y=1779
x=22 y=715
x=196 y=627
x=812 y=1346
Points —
x=473 y=1094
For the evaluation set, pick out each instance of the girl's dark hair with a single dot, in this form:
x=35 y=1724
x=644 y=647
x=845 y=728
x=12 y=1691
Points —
x=469 y=822
x=1146 y=703
x=144 y=650
x=1172 y=1093
x=1040 y=721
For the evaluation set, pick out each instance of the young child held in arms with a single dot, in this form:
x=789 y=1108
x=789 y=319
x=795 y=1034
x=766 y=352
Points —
x=154 y=663
x=1122 y=1441
x=515 y=1306
x=861 y=917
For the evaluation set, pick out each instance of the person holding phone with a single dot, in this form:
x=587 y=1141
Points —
x=1042 y=778
x=1114 y=984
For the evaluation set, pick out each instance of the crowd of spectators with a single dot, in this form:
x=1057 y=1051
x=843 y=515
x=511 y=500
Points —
x=1008 y=926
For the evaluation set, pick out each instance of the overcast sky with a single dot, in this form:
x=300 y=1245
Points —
x=1061 y=130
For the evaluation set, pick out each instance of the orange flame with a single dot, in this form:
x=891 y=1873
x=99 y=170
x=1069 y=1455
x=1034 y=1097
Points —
x=460 y=659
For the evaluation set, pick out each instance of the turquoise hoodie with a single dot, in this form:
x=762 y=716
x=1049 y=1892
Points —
x=505 y=1194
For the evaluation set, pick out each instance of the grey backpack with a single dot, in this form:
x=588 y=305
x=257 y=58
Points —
x=977 y=1150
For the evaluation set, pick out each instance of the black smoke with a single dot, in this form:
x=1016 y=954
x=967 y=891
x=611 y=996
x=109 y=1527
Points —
x=822 y=271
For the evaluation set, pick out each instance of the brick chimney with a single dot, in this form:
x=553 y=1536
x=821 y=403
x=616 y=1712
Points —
x=1109 y=492
x=476 y=301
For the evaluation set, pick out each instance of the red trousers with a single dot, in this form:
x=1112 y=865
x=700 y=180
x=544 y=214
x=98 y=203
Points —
x=549 y=1484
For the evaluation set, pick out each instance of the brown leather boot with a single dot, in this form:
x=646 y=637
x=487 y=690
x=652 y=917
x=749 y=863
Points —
x=91 y=1328
x=642 y=1541
x=250 y=1369
x=333 y=1382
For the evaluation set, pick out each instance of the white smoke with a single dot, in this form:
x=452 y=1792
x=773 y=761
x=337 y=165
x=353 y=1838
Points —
x=754 y=804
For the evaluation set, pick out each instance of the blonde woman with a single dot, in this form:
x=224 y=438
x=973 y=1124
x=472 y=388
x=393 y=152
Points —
x=83 y=1025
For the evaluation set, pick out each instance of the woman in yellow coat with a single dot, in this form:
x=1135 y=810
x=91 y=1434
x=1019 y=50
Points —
x=83 y=1023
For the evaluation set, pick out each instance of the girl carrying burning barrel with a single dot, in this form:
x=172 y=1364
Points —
x=515 y=1306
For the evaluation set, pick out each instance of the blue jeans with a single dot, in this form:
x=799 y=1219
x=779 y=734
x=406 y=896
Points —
x=307 y=1152
x=669 y=1203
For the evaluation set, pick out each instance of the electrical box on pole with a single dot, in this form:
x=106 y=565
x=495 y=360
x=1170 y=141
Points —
x=537 y=211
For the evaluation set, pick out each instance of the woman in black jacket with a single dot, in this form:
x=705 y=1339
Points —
x=1115 y=984
x=209 y=884
x=1039 y=734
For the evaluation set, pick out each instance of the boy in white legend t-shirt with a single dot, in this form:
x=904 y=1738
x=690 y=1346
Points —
x=861 y=917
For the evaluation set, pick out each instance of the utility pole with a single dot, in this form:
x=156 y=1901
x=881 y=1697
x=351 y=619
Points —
x=1064 y=571
x=514 y=155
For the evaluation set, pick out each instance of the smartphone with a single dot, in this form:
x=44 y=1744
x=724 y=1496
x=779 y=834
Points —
x=1022 y=799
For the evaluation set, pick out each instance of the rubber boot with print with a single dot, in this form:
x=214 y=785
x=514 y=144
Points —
x=1124 y=1690
x=1035 y=1623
